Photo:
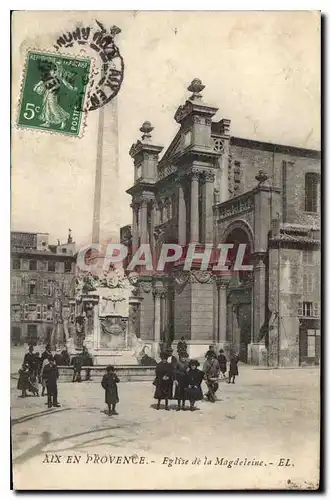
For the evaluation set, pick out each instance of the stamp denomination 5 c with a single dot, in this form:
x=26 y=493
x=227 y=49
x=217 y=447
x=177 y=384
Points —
x=54 y=93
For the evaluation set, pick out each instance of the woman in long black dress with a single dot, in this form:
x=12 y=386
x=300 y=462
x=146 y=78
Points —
x=109 y=383
x=233 y=372
x=164 y=377
x=194 y=380
x=181 y=380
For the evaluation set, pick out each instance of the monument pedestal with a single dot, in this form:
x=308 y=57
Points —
x=109 y=357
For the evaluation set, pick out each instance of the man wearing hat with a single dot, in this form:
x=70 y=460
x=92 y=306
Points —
x=194 y=380
x=164 y=377
x=211 y=352
x=211 y=369
x=51 y=374
x=46 y=354
x=31 y=361
x=181 y=380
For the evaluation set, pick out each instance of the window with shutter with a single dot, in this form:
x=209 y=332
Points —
x=307 y=308
x=300 y=309
x=44 y=312
x=312 y=192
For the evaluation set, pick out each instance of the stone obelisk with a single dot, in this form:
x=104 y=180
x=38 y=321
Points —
x=106 y=225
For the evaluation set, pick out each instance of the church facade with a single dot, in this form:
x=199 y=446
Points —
x=210 y=187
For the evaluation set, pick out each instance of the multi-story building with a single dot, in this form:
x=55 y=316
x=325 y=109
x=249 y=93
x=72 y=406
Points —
x=211 y=187
x=41 y=286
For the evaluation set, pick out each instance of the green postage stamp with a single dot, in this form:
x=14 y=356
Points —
x=54 y=93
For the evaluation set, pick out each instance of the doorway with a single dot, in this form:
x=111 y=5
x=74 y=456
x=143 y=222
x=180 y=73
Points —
x=239 y=295
x=309 y=342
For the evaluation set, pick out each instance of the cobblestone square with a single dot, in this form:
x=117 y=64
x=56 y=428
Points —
x=268 y=415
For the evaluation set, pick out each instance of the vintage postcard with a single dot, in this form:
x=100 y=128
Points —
x=165 y=250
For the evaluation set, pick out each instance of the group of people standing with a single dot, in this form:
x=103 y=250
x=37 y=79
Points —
x=176 y=378
x=181 y=378
x=42 y=370
x=82 y=359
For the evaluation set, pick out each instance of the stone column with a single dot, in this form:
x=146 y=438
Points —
x=135 y=228
x=194 y=223
x=157 y=292
x=222 y=309
x=259 y=298
x=208 y=200
x=164 y=310
x=181 y=215
x=125 y=326
x=229 y=322
x=96 y=326
x=153 y=224
x=143 y=222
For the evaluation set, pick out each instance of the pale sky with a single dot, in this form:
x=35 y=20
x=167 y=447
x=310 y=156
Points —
x=261 y=69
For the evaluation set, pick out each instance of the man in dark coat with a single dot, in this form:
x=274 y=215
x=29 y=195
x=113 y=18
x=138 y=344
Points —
x=211 y=352
x=30 y=360
x=164 y=377
x=46 y=354
x=51 y=374
x=86 y=361
x=181 y=379
x=109 y=383
x=233 y=368
x=211 y=369
x=194 y=380
x=146 y=360
x=77 y=363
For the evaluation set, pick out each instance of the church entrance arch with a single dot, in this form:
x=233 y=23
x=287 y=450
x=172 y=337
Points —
x=239 y=291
